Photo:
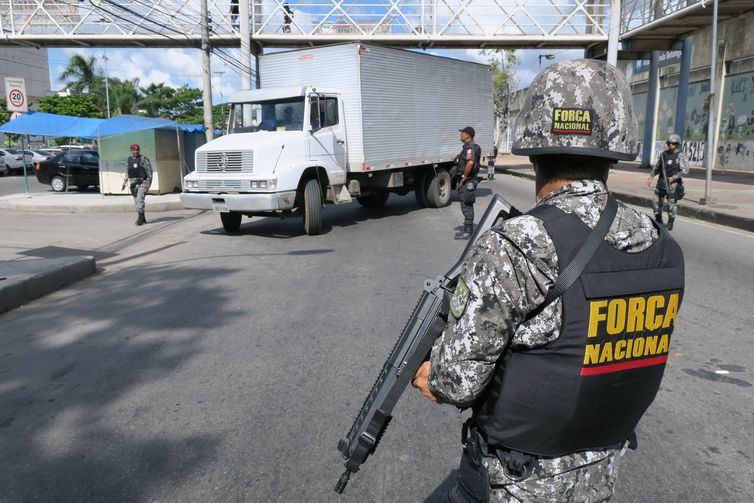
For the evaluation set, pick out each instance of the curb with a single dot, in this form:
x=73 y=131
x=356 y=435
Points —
x=684 y=210
x=24 y=205
x=26 y=280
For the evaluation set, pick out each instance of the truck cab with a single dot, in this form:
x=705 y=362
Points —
x=283 y=149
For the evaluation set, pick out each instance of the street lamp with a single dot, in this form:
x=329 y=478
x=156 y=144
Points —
x=546 y=56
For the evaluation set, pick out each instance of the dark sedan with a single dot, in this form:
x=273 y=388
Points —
x=77 y=167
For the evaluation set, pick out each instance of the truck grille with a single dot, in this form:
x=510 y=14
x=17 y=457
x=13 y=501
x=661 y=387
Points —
x=225 y=162
x=222 y=185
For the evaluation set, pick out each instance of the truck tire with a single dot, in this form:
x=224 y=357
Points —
x=57 y=183
x=312 y=208
x=438 y=190
x=420 y=189
x=231 y=221
x=376 y=200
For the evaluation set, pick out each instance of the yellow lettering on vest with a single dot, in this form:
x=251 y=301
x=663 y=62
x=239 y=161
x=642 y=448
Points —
x=616 y=316
x=629 y=347
x=577 y=115
x=592 y=354
x=638 y=347
x=671 y=312
x=587 y=117
x=557 y=115
x=596 y=315
x=650 y=345
x=607 y=352
x=654 y=320
x=664 y=344
x=636 y=314
x=620 y=350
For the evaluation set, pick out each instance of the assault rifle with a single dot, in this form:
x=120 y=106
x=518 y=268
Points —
x=413 y=348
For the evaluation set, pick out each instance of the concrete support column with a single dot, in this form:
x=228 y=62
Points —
x=653 y=94
x=683 y=88
x=614 y=33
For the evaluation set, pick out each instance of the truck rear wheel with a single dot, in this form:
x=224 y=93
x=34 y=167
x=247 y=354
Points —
x=231 y=221
x=376 y=200
x=312 y=208
x=420 y=189
x=438 y=190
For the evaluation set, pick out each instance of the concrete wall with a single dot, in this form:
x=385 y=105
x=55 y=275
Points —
x=736 y=118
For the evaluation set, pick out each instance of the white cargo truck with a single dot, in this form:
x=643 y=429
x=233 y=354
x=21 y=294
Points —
x=334 y=123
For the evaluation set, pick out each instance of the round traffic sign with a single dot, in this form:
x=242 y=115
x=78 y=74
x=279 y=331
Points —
x=16 y=97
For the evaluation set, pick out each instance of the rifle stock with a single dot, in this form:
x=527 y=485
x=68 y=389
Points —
x=413 y=347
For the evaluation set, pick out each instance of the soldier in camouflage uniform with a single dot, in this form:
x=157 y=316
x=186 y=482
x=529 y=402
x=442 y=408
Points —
x=138 y=176
x=670 y=167
x=497 y=310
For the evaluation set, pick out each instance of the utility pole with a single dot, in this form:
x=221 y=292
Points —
x=107 y=85
x=206 y=74
x=709 y=155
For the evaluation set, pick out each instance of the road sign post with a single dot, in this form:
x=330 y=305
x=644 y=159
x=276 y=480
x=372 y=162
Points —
x=15 y=94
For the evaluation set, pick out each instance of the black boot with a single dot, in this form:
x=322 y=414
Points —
x=143 y=217
x=658 y=217
x=670 y=223
x=140 y=220
x=466 y=232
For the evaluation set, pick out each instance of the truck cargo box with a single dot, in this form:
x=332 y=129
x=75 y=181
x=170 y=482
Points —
x=401 y=108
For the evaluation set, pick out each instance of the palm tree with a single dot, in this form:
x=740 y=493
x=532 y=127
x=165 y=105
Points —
x=124 y=96
x=80 y=74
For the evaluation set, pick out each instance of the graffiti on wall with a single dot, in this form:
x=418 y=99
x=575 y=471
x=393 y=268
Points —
x=666 y=112
x=696 y=112
x=737 y=114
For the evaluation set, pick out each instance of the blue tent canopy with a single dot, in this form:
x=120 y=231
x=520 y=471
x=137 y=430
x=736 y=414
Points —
x=44 y=124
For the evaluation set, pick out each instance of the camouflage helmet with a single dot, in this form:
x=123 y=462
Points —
x=580 y=107
x=674 y=138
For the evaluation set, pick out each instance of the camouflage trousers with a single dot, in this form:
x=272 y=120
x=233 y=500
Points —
x=666 y=200
x=586 y=477
x=139 y=192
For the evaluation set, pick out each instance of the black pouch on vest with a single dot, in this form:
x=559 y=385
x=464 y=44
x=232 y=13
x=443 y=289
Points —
x=473 y=479
x=662 y=186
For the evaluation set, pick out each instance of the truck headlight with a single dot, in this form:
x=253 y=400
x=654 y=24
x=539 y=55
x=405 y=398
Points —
x=264 y=184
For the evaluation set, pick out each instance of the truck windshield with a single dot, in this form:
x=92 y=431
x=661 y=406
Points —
x=277 y=115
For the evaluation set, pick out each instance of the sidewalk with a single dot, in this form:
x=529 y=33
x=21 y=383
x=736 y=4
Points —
x=86 y=202
x=732 y=192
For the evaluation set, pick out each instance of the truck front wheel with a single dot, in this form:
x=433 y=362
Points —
x=231 y=221
x=312 y=208
x=438 y=191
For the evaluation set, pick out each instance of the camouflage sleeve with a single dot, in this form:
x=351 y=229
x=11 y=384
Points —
x=684 y=164
x=125 y=172
x=148 y=167
x=497 y=289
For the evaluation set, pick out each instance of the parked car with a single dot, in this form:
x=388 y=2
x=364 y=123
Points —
x=12 y=159
x=40 y=155
x=77 y=167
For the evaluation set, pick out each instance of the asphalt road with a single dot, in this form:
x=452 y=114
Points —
x=14 y=184
x=199 y=366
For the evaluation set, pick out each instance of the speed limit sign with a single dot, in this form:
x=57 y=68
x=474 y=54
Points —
x=15 y=94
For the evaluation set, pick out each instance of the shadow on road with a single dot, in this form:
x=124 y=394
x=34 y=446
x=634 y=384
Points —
x=87 y=385
x=333 y=216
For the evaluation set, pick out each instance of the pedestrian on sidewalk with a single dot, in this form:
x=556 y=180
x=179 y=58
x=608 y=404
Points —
x=491 y=164
x=670 y=167
x=468 y=169
x=138 y=176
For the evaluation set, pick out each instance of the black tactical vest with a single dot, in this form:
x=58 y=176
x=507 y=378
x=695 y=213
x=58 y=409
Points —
x=135 y=169
x=477 y=153
x=588 y=389
x=672 y=164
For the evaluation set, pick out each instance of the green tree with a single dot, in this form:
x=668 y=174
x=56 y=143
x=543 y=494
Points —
x=155 y=99
x=503 y=62
x=186 y=105
x=124 y=96
x=80 y=75
x=75 y=105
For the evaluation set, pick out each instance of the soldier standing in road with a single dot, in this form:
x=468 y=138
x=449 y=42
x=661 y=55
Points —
x=468 y=169
x=671 y=166
x=559 y=376
x=138 y=176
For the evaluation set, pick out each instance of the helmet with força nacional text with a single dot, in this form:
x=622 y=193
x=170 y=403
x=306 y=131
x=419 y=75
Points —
x=578 y=107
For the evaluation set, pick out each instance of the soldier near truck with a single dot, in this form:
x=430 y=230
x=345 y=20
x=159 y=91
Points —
x=138 y=177
x=561 y=320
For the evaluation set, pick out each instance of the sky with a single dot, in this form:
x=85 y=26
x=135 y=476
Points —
x=176 y=67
